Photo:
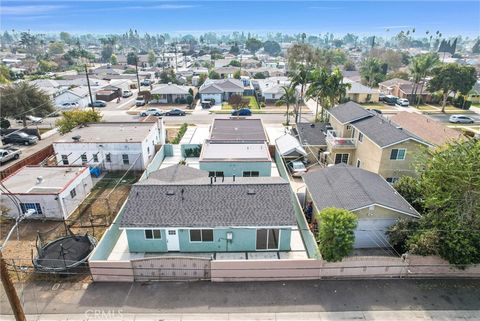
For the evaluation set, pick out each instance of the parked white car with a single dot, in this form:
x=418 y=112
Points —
x=127 y=93
x=33 y=119
x=402 y=102
x=461 y=119
x=152 y=111
x=140 y=101
x=297 y=168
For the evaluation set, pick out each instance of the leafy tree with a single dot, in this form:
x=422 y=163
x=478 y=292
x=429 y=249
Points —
x=253 y=45
x=236 y=101
x=201 y=79
x=56 y=48
x=152 y=58
x=420 y=67
x=65 y=37
x=234 y=50
x=168 y=76
x=450 y=185
x=300 y=54
x=398 y=74
x=4 y=123
x=450 y=78
x=372 y=71
x=393 y=58
x=349 y=66
x=113 y=59
x=336 y=233
x=235 y=63
x=213 y=75
x=189 y=99
x=272 y=47
x=4 y=74
x=411 y=190
x=132 y=58
x=288 y=98
x=47 y=66
x=399 y=233
x=236 y=74
x=259 y=75
x=107 y=52
x=75 y=117
x=22 y=99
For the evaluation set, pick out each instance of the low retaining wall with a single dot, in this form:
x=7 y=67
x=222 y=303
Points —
x=352 y=267
x=33 y=159
x=111 y=271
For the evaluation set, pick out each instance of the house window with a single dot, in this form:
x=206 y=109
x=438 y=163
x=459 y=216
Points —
x=273 y=96
x=360 y=137
x=65 y=159
x=153 y=234
x=95 y=158
x=398 y=154
x=251 y=174
x=84 y=158
x=267 y=239
x=108 y=158
x=73 y=193
x=392 y=180
x=359 y=163
x=341 y=158
x=201 y=235
x=215 y=174
x=349 y=127
x=125 y=159
x=31 y=206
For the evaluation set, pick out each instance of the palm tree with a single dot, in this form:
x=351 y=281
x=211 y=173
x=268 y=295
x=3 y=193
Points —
x=420 y=68
x=372 y=72
x=318 y=90
x=289 y=97
x=300 y=77
x=337 y=89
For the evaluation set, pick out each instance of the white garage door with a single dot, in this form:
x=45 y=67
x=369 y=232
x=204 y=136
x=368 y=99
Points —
x=370 y=233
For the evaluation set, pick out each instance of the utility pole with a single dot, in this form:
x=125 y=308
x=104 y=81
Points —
x=136 y=70
x=89 y=89
x=11 y=291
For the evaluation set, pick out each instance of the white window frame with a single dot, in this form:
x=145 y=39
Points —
x=35 y=206
x=95 y=158
x=108 y=158
x=153 y=234
x=268 y=235
x=335 y=158
x=359 y=163
x=201 y=235
x=65 y=160
x=125 y=160
x=360 y=137
x=250 y=173
x=73 y=192
x=84 y=156
x=398 y=152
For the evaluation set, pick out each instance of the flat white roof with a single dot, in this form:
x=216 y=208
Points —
x=53 y=179
x=212 y=151
x=113 y=132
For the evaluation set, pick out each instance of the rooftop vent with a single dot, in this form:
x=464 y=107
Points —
x=312 y=125
x=399 y=128
x=39 y=179
x=76 y=138
x=251 y=191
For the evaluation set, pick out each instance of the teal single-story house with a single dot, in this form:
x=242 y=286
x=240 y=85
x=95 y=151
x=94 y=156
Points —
x=228 y=159
x=181 y=209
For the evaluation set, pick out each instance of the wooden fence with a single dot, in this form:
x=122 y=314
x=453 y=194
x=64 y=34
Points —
x=33 y=159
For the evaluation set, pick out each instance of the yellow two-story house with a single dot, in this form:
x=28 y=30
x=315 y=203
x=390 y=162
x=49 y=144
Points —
x=367 y=140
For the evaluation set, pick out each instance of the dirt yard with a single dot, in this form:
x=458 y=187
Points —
x=93 y=216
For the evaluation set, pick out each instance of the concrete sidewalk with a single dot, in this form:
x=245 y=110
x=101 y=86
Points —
x=297 y=316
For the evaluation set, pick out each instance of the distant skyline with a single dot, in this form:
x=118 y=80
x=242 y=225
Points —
x=384 y=18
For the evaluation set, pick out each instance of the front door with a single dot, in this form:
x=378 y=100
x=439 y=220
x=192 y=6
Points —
x=172 y=240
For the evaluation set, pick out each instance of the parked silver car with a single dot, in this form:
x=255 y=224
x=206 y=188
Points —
x=461 y=119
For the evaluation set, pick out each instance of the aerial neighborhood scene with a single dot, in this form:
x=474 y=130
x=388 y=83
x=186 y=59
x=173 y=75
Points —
x=240 y=160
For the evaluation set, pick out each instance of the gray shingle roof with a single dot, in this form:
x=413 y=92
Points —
x=176 y=173
x=344 y=186
x=348 y=112
x=381 y=131
x=262 y=201
x=313 y=136
x=237 y=130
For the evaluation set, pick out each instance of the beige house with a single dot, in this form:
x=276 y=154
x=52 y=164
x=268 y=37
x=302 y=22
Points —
x=375 y=202
x=360 y=93
x=367 y=140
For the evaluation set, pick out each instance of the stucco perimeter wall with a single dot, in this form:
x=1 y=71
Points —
x=111 y=271
x=351 y=267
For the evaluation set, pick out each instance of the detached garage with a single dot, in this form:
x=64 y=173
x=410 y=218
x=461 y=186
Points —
x=368 y=195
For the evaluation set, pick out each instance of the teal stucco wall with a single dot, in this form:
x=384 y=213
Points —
x=138 y=243
x=244 y=239
x=237 y=168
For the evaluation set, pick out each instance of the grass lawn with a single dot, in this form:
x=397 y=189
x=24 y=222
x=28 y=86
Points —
x=425 y=107
x=379 y=106
x=253 y=104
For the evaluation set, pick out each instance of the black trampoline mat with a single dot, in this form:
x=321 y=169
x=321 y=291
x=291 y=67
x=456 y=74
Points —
x=75 y=248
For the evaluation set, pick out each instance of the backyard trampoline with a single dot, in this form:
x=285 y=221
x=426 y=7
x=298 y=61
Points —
x=64 y=253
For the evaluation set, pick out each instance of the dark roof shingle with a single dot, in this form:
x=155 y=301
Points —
x=348 y=112
x=351 y=188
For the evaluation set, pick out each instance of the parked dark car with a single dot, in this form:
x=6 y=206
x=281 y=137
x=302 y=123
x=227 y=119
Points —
x=378 y=111
x=390 y=100
x=98 y=103
x=175 y=112
x=19 y=138
x=242 y=112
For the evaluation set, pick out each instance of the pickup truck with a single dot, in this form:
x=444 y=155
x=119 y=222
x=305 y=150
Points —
x=9 y=153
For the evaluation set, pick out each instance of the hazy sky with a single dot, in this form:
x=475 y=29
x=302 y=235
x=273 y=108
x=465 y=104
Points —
x=341 y=16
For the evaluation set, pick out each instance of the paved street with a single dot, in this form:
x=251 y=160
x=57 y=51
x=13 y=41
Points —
x=444 y=118
x=258 y=297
